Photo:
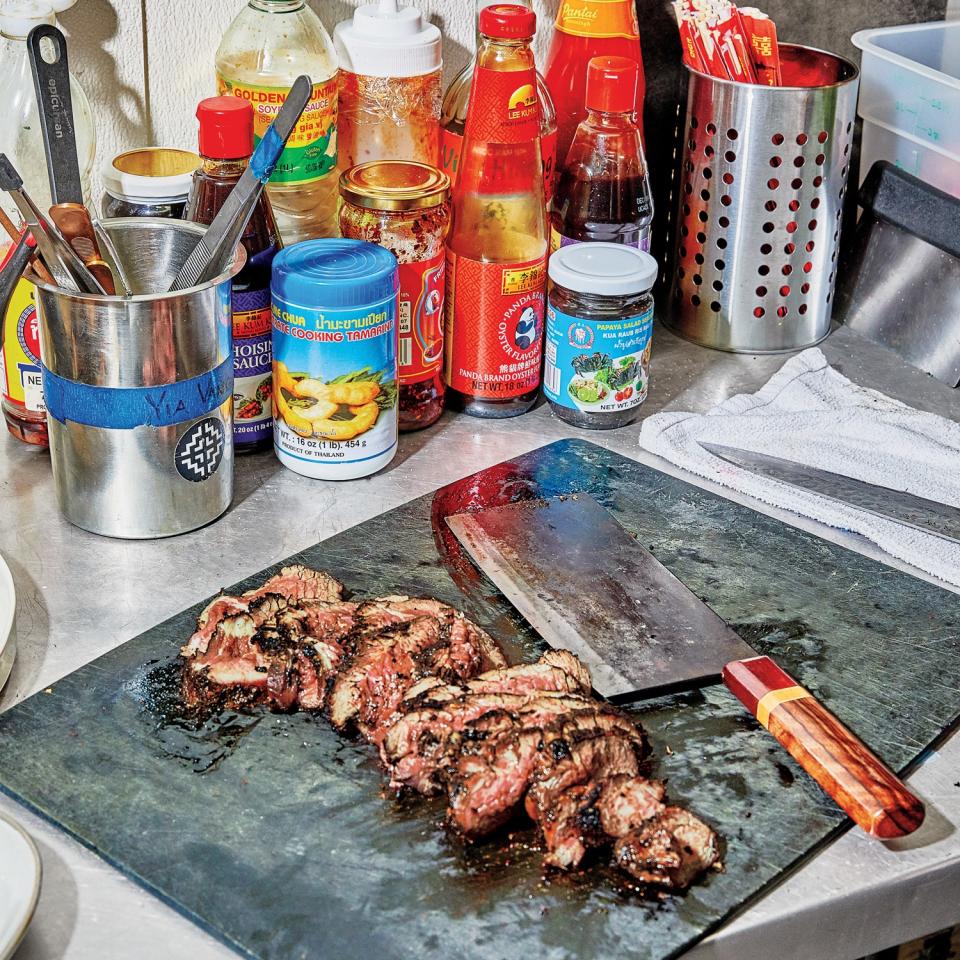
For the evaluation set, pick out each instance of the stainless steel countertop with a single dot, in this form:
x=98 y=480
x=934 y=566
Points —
x=79 y=596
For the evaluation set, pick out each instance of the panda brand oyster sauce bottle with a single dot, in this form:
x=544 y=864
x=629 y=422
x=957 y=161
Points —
x=497 y=248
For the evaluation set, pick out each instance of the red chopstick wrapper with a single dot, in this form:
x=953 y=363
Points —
x=761 y=34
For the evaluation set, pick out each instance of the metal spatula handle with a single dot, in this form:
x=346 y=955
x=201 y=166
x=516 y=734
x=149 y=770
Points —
x=224 y=233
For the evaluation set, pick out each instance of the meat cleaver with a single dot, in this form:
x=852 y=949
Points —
x=587 y=586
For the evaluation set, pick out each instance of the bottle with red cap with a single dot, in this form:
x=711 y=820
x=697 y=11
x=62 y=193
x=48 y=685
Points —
x=497 y=248
x=226 y=143
x=585 y=29
x=603 y=192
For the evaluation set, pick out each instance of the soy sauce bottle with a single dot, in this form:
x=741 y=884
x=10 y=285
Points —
x=603 y=192
x=226 y=143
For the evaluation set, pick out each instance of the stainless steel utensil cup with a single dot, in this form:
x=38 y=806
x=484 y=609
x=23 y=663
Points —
x=759 y=204
x=139 y=390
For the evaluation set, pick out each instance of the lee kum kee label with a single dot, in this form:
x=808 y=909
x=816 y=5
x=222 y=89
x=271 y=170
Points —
x=598 y=18
x=504 y=107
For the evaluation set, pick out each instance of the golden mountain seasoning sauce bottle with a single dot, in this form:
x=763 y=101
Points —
x=404 y=207
x=496 y=254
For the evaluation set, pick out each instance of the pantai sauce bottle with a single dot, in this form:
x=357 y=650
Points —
x=587 y=29
x=453 y=117
x=496 y=252
x=602 y=190
x=226 y=143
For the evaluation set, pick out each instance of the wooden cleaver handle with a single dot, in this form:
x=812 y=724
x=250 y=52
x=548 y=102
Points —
x=861 y=784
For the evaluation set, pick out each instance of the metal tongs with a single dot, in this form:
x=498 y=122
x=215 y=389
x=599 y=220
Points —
x=68 y=270
x=212 y=253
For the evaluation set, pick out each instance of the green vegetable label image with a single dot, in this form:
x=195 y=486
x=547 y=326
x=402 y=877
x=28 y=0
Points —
x=597 y=365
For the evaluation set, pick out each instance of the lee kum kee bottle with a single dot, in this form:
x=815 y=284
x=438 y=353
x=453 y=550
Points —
x=496 y=253
x=585 y=29
x=453 y=117
x=602 y=189
x=226 y=142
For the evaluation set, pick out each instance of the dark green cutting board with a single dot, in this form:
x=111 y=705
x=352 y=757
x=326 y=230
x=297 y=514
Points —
x=275 y=835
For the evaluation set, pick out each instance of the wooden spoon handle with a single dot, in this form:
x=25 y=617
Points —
x=861 y=784
x=74 y=222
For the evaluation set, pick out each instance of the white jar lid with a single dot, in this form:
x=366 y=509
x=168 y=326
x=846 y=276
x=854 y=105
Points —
x=19 y=17
x=384 y=40
x=150 y=174
x=603 y=268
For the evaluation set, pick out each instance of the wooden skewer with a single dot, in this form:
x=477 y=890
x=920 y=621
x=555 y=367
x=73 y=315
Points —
x=37 y=263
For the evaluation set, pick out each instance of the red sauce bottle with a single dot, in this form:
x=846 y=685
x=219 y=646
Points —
x=603 y=192
x=226 y=143
x=587 y=29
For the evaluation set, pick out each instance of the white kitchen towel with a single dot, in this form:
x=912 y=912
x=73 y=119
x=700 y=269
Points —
x=809 y=413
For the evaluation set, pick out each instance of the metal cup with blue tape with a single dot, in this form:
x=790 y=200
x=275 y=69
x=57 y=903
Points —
x=139 y=390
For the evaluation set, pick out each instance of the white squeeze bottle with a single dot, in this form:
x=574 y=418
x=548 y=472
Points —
x=268 y=45
x=20 y=136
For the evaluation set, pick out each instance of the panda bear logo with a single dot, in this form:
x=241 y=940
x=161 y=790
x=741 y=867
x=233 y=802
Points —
x=525 y=333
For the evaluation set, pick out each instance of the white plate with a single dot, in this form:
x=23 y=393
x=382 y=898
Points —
x=19 y=885
x=8 y=640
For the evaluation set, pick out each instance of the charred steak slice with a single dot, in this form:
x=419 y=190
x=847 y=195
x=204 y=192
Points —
x=595 y=813
x=492 y=774
x=498 y=762
x=426 y=711
x=671 y=850
x=292 y=583
x=282 y=661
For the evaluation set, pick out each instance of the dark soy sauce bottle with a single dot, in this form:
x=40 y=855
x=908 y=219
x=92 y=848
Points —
x=603 y=192
x=226 y=143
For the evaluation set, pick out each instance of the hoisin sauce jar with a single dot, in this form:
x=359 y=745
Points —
x=405 y=207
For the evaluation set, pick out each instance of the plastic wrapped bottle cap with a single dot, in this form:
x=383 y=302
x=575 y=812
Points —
x=384 y=40
x=226 y=128
x=612 y=84
x=611 y=269
x=334 y=274
x=19 y=17
x=508 y=21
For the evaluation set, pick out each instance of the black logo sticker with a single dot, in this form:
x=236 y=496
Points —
x=200 y=450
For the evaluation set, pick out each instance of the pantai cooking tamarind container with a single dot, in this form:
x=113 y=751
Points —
x=334 y=305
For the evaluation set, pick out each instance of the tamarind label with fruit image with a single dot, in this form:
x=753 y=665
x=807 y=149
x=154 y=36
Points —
x=334 y=382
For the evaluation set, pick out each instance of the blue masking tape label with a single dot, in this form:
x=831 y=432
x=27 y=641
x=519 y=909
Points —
x=123 y=408
x=266 y=155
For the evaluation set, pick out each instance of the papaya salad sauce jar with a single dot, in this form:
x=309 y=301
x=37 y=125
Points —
x=405 y=207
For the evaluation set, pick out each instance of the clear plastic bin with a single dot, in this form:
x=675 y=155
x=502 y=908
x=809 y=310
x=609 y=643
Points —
x=910 y=100
x=939 y=168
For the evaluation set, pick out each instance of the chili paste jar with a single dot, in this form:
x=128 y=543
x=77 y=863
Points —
x=404 y=207
x=599 y=328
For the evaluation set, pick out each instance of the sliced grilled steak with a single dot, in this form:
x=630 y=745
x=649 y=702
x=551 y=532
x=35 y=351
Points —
x=594 y=813
x=498 y=761
x=422 y=743
x=292 y=583
x=282 y=661
x=427 y=713
x=492 y=773
x=588 y=746
x=670 y=850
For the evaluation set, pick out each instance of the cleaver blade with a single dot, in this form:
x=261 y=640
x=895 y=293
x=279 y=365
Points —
x=586 y=585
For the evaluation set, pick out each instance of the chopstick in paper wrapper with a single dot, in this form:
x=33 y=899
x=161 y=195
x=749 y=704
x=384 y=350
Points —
x=761 y=34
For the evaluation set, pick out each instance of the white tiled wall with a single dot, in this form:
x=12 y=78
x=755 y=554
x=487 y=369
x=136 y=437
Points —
x=146 y=63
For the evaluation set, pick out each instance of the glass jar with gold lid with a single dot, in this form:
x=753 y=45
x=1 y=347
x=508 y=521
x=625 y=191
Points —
x=405 y=208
